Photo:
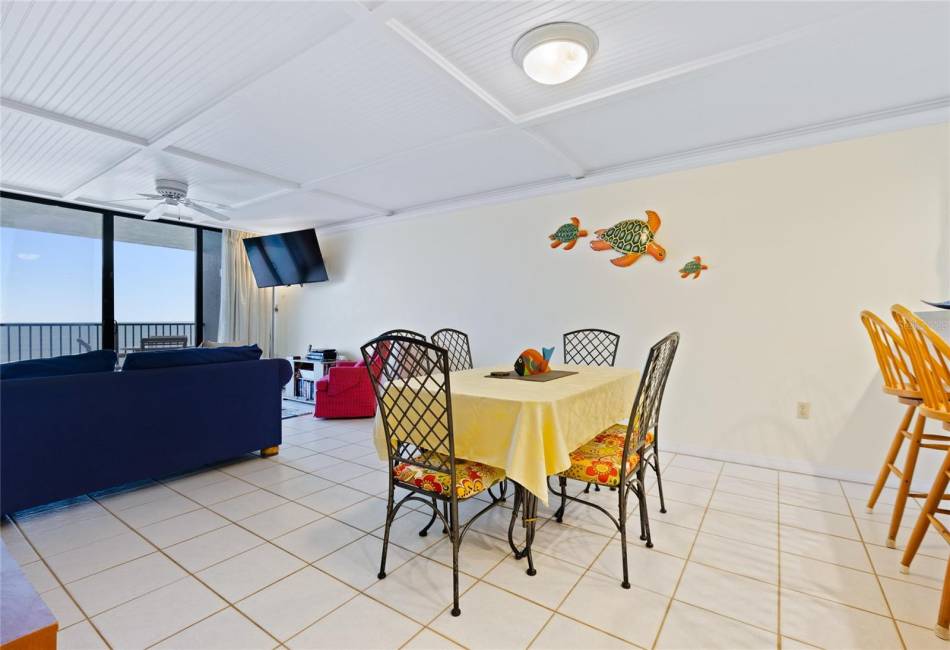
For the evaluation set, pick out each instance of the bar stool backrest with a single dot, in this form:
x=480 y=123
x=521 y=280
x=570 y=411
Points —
x=893 y=357
x=412 y=390
x=930 y=356
x=456 y=344
x=591 y=347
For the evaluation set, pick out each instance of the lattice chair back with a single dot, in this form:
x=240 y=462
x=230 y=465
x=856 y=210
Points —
x=591 y=347
x=412 y=390
x=646 y=407
x=394 y=347
x=930 y=356
x=456 y=344
x=893 y=358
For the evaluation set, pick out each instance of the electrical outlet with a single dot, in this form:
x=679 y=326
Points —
x=803 y=412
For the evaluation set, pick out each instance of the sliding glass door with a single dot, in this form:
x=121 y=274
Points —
x=50 y=280
x=76 y=278
x=154 y=283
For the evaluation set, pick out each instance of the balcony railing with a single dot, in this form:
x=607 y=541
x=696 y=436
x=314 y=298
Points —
x=20 y=341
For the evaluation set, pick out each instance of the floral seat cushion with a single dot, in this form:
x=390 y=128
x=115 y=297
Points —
x=599 y=460
x=471 y=477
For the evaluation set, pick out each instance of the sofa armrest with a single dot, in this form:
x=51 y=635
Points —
x=323 y=385
x=345 y=378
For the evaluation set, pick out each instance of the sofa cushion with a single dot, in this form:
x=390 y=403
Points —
x=189 y=357
x=74 y=364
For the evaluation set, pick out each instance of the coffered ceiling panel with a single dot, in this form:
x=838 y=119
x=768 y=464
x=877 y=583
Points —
x=777 y=90
x=302 y=113
x=459 y=168
x=637 y=39
x=359 y=96
x=50 y=157
x=296 y=210
x=138 y=174
x=143 y=67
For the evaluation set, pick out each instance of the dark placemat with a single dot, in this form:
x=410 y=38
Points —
x=548 y=376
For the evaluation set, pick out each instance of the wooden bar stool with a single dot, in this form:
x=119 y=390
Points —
x=930 y=356
x=893 y=358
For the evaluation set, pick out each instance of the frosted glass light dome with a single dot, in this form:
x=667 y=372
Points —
x=554 y=53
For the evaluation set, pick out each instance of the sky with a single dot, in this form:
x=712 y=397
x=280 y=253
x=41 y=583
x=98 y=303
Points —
x=55 y=278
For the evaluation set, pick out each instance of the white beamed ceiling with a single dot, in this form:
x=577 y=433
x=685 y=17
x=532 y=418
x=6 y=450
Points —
x=339 y=114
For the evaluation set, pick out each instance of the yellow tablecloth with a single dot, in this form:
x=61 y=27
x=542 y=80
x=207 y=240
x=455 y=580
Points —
x=530 y=428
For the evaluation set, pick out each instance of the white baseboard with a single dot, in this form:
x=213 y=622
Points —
x=784 y=464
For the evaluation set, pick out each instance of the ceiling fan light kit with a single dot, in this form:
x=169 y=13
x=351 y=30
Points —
x=554 y=53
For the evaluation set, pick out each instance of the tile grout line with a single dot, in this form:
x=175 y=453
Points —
x=778 y=558
x=689 y=554
x=62 y=586
x=877 y=578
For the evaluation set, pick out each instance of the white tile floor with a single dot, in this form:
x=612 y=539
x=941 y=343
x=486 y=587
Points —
x=283 y=552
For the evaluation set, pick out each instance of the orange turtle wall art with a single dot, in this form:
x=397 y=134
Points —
x=632 y=238
x=567 y=234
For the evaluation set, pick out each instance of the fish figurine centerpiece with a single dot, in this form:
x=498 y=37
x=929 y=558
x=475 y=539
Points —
x=532 y=362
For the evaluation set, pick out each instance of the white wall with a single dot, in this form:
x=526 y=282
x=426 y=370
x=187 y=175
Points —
x=797 y=244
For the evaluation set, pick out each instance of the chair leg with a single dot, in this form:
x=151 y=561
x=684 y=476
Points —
x=559 y=515
x=891 y=456
x=909 y=464
x=644 y=515
x=659 y=481
x=622 y=498
x=943 y=614
x=435 y=510
x=923 y=521
x=445 y=513
x=454 y=534
x=389 y=522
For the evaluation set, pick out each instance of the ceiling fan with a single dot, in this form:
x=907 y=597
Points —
x=172 y=193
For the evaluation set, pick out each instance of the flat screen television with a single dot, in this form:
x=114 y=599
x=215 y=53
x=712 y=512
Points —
x=285 y=259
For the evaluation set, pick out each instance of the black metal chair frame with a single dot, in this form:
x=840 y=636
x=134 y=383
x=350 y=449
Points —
x=456 y=344
x=591 y=347
x=404 y=333
x=418 y=431
x=645 y=412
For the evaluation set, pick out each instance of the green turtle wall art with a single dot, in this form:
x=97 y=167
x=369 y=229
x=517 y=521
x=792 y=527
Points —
x=632 y=238
x=694 y=268
x=568 y=234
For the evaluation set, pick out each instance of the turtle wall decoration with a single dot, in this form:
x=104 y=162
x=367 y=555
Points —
x=567 y=234
x=694 y=268
x=632 y=238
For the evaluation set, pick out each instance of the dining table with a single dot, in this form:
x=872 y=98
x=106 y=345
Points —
x=529 y=427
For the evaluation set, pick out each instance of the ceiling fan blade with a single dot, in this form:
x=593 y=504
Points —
x=156 y=212
x=138 y=198
x=152 y=196
x=207 y=211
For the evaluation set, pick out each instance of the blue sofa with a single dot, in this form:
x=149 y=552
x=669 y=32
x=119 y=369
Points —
x=64 y=436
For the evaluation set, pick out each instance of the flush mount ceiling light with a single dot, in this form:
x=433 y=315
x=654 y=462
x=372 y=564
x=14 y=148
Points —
x=554 y=53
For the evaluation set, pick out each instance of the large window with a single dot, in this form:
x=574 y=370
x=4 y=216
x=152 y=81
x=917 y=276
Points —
x=74 y=278
x=50 y=280
x=154 y=281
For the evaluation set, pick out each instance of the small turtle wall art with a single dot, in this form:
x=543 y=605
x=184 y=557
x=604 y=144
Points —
x=632 y=238
x=694 y=268
x=567 y=234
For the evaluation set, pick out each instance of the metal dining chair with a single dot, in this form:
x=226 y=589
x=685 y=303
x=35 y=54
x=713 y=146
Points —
x=617 y=457
x=456 y=344
x=415 y=406
x=930 y=357
x=591 y=347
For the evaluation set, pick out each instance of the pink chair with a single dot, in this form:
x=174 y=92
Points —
x=346 y=392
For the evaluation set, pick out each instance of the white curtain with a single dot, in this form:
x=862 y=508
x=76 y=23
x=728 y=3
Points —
x=246 y=314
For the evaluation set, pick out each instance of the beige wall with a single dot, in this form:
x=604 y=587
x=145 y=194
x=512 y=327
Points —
x=797 y=243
